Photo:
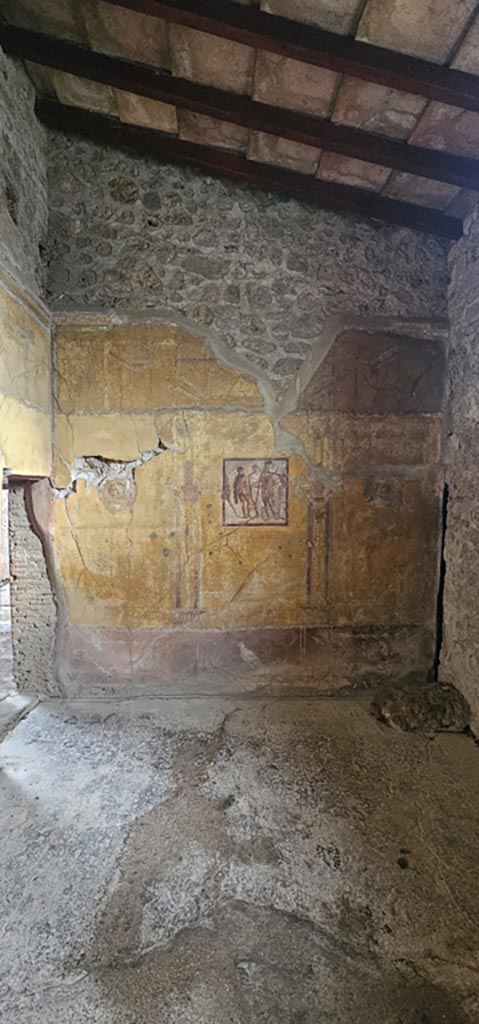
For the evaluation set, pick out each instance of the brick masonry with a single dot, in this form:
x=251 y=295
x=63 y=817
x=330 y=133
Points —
x=23 y=178
x=33 y=609
x=460 y=654
x=266 y=273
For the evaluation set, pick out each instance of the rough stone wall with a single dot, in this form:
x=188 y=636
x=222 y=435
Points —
x=266 y=273
x=23 y=178
x=33 y=609
x=460 y=654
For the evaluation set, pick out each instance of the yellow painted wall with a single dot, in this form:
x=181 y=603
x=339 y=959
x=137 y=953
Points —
x=166 y=560
x=25 y=382
x=356 y=550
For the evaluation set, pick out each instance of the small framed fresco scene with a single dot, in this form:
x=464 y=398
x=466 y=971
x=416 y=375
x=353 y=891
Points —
x=255 y=492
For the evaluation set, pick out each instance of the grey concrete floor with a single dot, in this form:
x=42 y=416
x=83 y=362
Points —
x=224 y=862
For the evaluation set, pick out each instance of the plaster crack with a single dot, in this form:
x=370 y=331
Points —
x=247 y=578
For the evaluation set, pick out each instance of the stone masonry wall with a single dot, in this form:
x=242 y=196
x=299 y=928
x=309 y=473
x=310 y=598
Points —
x=266 y=273
x=460 y=654
x=33 y=609
x=23 y=178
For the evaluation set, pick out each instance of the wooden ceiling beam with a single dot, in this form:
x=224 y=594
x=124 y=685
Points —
x=314 y=45
x=240 y=110
x=168 y=148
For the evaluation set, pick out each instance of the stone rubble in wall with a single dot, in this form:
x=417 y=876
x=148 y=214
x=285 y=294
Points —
x=265 y=273
x=23 y=178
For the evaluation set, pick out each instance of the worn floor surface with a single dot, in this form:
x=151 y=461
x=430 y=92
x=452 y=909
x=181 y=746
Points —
x=219 y=862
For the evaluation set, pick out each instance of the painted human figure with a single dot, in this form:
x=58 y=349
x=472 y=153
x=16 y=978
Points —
x=254 y=479
x=270 y=486
x=242 y=492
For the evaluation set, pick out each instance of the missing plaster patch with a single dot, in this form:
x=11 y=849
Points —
x=114 y=480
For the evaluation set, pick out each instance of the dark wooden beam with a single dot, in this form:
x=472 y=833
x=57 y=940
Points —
x=240 y=110
x=314 y=45
x=168 y=148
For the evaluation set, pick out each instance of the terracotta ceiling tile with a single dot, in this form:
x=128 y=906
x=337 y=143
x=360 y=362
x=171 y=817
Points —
x=79 y=92
x=211 y=60
x=428 y=30
x=43 y=78
x=334 y=15
x=211 y=132
x=289 y=83
x=448 y=128
x=125 y=33
x=462 y=204
x=349 y=171
x=270 y=149
x=467 y=56
x=146 y=112
x=54 y=17
x=377 y=109
x=424 y=191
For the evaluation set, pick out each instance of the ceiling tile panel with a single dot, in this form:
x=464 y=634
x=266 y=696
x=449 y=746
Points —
x=423 y=191
x=211 y=60
x=54 y=17
x=334 y=15
x=377 y=109
x=43 y=79
x=269 y=149
x=467 y=56
x=211 y=132
x=146 y=112
x=348 y=171
x=79 y=92
x=448 y=128
x=289 y=83
x=125 y=33
x=430 y=29
x=462 y=204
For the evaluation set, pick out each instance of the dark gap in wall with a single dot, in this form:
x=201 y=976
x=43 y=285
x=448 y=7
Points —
x=440 y=589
